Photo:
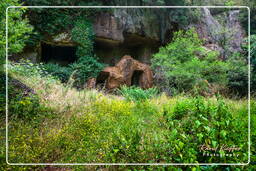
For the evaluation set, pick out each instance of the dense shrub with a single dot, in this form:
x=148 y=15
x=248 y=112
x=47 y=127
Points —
x=184 y=64
x=137 y=94
x=2 y=92
x=214 y=124
x=253 y=130
x=87 y=65
x=60 y=72
x=26 y=107
x=238 y=69
x=26 y=68
x=238 y=74
x=253 y=63
x=18 y=28
x=85 y=68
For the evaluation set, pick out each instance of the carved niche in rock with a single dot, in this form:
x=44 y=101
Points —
x=127 y=71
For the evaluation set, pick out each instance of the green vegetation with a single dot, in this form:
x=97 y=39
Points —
x=87 y=65
x=59 y=72
x=238 y=74
x=18 y=28
x=67 y=125
x=137 y=94
x=178 y=66
x=199 y=99
x=185 y=65
x=253 y=63
x=52 y=21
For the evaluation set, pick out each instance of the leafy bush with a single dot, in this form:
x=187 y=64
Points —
x=26 y=107
x=2 y=92
x=238 y=74
x=184 y=64
x=253 y=63
x=214 y=124
x=85 y=68
x=18 y=28
x=87 y=65
x=26 y=68
x=238 y=69
x=137 y=94
x=60 y=72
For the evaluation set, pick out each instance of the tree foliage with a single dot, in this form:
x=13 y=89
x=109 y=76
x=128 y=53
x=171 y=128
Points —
x=87 y=65
x=18 y=28
x=253 y=63
x=238 y=74
x=51 y=21
x=184 y=64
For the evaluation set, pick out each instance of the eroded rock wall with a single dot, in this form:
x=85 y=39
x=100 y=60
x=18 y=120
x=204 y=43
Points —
x=127 y=71
x=225 y=36
x=140 y=32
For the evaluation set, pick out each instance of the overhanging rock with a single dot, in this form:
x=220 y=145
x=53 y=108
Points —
x=127 y=71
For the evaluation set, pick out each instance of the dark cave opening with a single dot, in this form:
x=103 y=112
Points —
x=101 y=79
x=62 y=55
x=136 y=76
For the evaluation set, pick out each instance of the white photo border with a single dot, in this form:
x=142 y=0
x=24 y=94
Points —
x=140 y=164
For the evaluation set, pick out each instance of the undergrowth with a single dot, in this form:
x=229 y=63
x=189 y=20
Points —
x=137 y=94
x=71 y=126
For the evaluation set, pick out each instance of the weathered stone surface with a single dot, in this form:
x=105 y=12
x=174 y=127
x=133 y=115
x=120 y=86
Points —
x=150 y=23
x=215 y=33
x=236 y=33
x=127 y=71
x=140 y=32
x=91 y=83
x=61 y=39
x=208 y=28
x=108 y=26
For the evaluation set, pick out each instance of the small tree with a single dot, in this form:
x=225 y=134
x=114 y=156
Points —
x=18 y=29
x=185 y=65
x=87 y=65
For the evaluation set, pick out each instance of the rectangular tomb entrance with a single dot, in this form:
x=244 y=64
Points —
x=62 y=55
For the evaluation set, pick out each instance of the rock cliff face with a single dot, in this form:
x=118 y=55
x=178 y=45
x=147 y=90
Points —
x=137 y=32
x=143 y=22
x=208 y=27
x=140 y=32
x=237 y=32
x=225 y=37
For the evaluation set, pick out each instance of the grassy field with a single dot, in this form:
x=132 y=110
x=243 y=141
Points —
x=60 y=124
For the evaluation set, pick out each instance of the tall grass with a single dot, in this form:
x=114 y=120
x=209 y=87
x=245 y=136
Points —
x=90 y=126
x=137 y=94
x=51 y=91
